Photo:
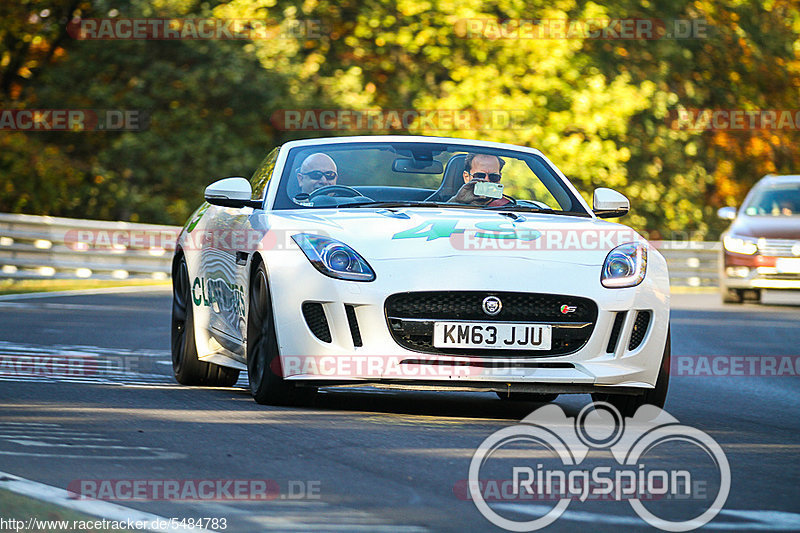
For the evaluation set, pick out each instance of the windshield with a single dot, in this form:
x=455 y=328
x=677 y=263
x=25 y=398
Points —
x=775 y=200
x=387 y=174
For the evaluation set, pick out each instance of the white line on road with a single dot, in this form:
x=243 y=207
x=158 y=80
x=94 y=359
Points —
x=28 y=424
x=102 y=509
x=23 y=442
x=61 y=437
x=757 y=520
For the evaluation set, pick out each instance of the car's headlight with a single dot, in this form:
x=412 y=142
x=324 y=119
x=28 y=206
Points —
x=625 y=266
x=740 y=245
x=334 y=258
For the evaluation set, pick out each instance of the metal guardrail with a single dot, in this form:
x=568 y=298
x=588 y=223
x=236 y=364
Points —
x=42 y=247
x=691 y=263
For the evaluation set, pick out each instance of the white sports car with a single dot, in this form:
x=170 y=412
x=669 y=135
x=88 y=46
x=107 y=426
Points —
x=418 y=263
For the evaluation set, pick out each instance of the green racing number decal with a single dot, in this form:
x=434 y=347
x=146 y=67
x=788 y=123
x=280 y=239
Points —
x=487 y=229
x=436 y=229
x=197 y=216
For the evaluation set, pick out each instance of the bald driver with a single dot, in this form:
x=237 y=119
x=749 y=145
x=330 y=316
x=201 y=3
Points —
x=317 y=171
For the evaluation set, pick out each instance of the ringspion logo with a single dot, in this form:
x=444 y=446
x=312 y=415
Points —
x=633 y=476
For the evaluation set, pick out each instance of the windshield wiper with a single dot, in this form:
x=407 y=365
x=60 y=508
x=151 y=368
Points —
x=513 y=216
x=391 y=204
x=531 y=209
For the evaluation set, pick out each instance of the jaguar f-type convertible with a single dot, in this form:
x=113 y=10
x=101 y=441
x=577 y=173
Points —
x=418 y=263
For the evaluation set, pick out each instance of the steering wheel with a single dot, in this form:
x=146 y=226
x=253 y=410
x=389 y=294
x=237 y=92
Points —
x=349 y=191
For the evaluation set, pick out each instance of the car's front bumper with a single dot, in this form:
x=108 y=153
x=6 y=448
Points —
x=738 y=271
x=380 y=358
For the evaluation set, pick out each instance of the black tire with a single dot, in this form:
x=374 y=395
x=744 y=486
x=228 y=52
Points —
x=732 y=296
x=263 y=362
x=186 y=367
x=627 y=404
x=751 y=295
x=532 y=397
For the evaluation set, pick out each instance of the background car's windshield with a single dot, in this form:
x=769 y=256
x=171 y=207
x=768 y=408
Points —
x=775 y=200
x=342 y=175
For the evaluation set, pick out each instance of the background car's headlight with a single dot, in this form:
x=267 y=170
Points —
x=739 y=245
x=625 y=266
x=334 y=258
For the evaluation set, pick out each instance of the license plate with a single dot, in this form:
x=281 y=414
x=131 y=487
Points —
x=788 y=265
x=497 y=335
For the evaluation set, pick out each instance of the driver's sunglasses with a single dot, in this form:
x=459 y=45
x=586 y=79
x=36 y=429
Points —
x=494 y=178
x=317 y=175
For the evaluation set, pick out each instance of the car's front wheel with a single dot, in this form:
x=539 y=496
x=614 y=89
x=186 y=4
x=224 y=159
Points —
x=627 y=404
x=186 y=367
x=263 y=362
x=732 y=296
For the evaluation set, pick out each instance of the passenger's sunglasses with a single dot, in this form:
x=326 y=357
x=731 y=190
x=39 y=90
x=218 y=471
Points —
x=317 y=175
x=494 y=178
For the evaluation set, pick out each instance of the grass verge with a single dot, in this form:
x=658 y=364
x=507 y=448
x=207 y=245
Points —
x=14 y=286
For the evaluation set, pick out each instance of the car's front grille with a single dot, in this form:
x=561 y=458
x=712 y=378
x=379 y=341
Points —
x=411 y=316
x=777 y=247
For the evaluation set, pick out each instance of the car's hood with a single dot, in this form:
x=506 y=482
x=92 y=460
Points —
x=767 y=227
x=405 y=233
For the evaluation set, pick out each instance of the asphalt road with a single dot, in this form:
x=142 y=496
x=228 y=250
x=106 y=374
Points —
x=370 y=461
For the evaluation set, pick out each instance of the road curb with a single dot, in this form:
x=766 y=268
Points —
x=101 y=509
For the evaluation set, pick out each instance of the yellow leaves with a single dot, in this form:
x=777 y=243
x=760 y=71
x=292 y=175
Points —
x=724 y=170
x=412 y=8
x=758 y=147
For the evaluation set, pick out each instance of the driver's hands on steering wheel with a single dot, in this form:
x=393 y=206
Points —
x=332 y=190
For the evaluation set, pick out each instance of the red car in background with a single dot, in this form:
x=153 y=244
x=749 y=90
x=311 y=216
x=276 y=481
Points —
x=761 y=248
